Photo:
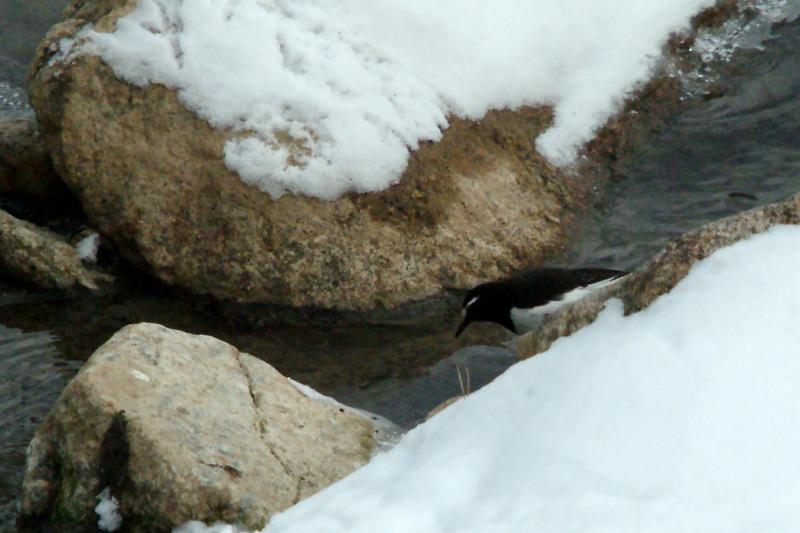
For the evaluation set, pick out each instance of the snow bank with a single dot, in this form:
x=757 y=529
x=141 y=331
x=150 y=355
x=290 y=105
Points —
x=683 y=417
x=331 y=95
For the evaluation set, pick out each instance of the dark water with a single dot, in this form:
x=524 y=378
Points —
x=32 y=377
x=22 y=25
x=717 y=158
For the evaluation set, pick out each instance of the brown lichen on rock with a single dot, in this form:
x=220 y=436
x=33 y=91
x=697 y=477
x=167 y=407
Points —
x=425 y=194
x=717 y=15
x=649 y=107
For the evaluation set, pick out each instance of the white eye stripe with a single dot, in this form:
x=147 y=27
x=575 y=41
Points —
x=471 y=302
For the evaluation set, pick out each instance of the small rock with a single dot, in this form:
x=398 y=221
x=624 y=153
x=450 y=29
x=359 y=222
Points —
x=36 y=256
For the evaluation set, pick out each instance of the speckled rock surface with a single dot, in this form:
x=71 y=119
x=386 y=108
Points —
x=659 y=275
x=479 y=204
x=38 y=257
x=210 y=434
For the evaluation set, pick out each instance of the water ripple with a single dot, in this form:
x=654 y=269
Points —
x=33 y=377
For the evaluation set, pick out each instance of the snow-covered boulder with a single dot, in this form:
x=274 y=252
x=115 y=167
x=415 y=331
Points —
x=152 y=176
x=38 y=257
x=661 y=273
x=206 y=432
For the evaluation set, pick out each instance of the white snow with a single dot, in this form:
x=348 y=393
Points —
x=357 y=83
x=683 y=417
x=88 y=247
x=141 y=376
x=720 y=45
x=108 y=511
x=219 y=527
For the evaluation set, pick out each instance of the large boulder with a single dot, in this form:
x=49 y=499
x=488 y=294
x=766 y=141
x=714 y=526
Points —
x=178 y=427
x=662 y=273
x=150 y=174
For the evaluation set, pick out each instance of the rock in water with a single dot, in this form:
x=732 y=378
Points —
x=150 y=174
x=662 y=273
x=208 y=433
x=38 y=257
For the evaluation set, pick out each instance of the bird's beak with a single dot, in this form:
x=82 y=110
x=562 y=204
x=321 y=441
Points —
x=463 y=325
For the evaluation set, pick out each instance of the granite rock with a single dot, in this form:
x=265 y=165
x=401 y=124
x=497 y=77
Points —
x=479 y=203
x=38 y=257
x=661 y=273
x=184 y=427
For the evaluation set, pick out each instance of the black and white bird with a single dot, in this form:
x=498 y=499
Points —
x=520 y=303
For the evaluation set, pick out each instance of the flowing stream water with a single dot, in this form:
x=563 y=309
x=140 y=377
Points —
x=718 y=157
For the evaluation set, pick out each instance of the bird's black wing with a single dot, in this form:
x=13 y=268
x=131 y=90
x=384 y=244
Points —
x=543 y=285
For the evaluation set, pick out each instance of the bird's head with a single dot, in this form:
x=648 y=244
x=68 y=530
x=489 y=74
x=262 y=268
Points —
x=490 y=302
